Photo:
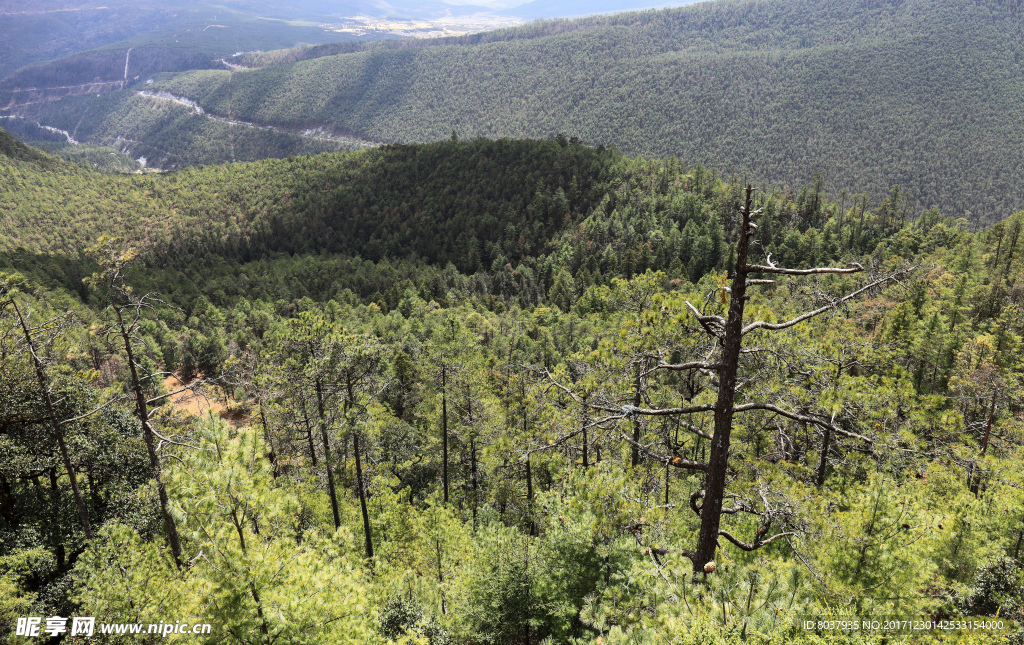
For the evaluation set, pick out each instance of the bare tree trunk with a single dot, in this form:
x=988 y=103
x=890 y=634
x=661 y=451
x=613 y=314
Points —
x=529 y=495
x=58 y=432
x=826 y=439
x=1013 y=247
x=473 y=481
x=327 y=455
x=309 y=434
x=440 y=578
x=147 y=432
x=362 y=496
x=7 y=508
x=635 y=456
x=349 y=402
x=444 y=431
x=718 y=462
x=668 y=472
x=819 y=477
x=264 y=628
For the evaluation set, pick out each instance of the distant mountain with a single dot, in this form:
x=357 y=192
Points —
x=866 y=95
x=31 y=32
x=61 y=31
x=566 y=8
x=44 y=32
x=345 y=8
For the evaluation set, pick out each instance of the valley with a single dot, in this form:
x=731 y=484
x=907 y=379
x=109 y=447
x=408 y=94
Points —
x=319 y=133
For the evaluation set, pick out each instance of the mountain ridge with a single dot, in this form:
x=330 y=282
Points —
x=925 y=95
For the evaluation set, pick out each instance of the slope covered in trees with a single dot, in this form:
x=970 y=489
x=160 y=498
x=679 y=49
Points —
x=549 y=9
x=66 y=42
x=107 y=159
x=40 y=31
x=477 y=205
x=924 y=95
x=423 y=445
x=195 y=36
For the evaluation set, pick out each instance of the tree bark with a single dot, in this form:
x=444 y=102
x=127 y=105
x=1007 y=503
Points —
x=327 y=455
x=362 y=496
x=668 y=472
x=473 y=481
x=147 y=433
x=819 y=477
x=718 y=462
x=529 y=495
x=444 y=431
x=826 y=439
x=635 y=456
x=309 y=434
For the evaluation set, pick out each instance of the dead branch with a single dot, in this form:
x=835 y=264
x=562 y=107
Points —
x=756 y=544
x=676 y=462
x=746 y=407
x=854 y=267
x=760 y=324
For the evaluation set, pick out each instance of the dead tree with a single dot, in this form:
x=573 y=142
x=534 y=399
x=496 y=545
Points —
x=128 y=310
x=721 y=367
x=45 y=391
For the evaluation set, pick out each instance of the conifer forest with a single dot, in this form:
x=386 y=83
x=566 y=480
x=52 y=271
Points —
x=485 y=390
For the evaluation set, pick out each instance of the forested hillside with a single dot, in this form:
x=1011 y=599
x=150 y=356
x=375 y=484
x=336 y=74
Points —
x=38 y=31
x=924 y=95
x=50 y=43
x=195 y=40
x=477 y=205
x=54 y=50
x=551 y=9
x=472 y=392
